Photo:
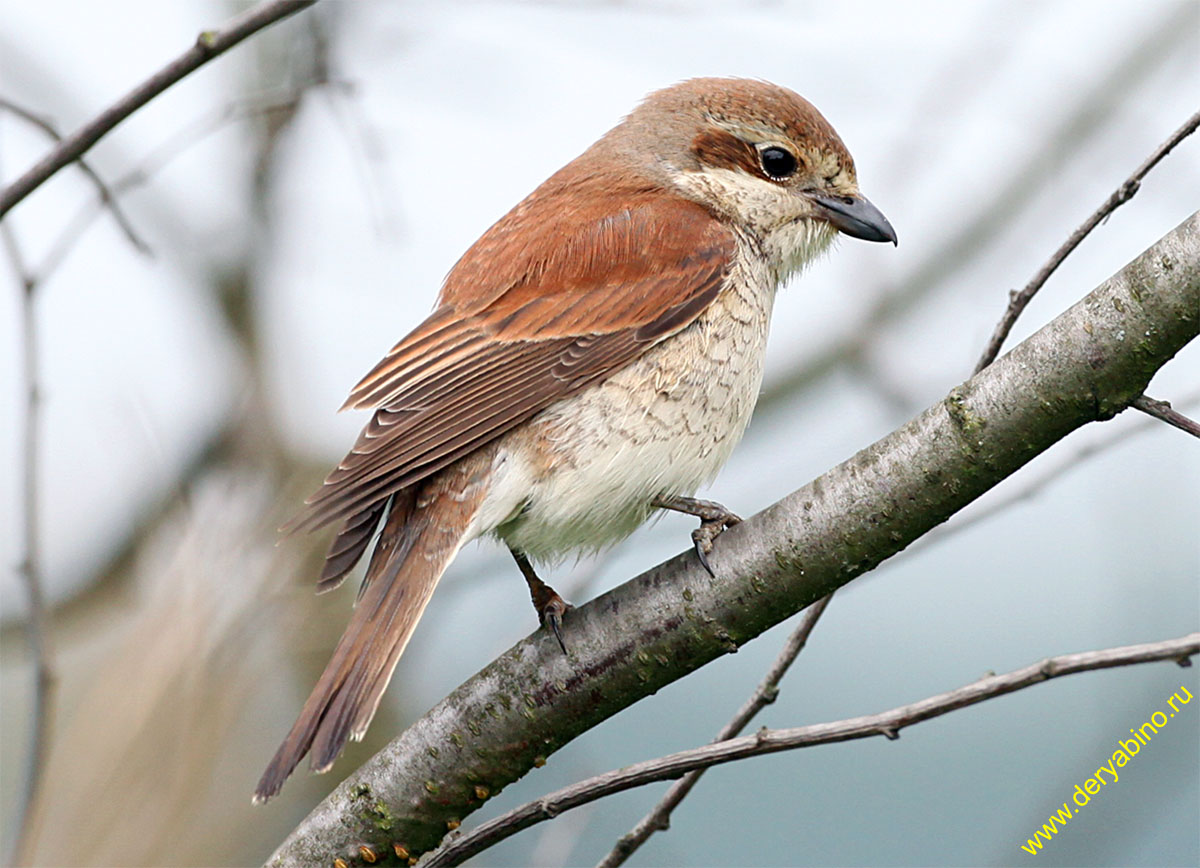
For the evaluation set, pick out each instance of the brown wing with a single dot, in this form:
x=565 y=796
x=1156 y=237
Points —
x=553 y=297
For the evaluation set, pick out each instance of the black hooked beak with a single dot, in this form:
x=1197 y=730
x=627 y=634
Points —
x=853 y=215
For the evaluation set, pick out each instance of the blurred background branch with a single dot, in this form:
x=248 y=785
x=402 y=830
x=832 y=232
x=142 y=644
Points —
x=30 y=567
x=273 y=109
x=241 y=460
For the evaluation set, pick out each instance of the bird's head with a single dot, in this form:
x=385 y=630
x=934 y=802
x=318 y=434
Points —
x=759 y=156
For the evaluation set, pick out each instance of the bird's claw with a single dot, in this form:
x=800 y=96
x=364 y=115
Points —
x=551 y=612
x=714 y=520
x=703 y=547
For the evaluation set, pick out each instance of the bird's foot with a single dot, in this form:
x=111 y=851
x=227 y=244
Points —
x=714 y=518
x=551 y=614
x=549 y=605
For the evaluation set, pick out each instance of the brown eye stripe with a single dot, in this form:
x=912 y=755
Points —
x=723 y=150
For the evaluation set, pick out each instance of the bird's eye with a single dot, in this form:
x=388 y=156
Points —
x=777 y=162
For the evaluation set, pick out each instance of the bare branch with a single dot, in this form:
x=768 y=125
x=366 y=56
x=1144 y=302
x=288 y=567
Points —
x=1018 y=300
x=106 y=195
x=675 y=618
x=887 y=724
x=209 y=44
x=1162 y=410
x=659 y=818
x=30 y=568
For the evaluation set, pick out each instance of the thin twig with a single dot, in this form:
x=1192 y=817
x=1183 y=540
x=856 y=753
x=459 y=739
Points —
x=765 y=741
x=30 y=567
x=1018 y=300
x=106 y=195
x=659 y=817
x=209 y=44
x=1162 y=410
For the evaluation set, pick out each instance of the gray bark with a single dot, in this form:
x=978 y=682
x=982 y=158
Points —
x=1087 y=365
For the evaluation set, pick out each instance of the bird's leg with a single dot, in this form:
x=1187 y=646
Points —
x=549 y=605
x=714 y=518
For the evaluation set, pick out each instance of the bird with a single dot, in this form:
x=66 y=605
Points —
x=591 y=361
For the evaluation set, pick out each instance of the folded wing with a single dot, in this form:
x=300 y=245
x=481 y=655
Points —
x=552 y=298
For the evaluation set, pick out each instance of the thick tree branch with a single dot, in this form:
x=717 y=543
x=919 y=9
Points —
x=1086 y=365
x=208 y=45
x=1035 y=486
x=885 y=723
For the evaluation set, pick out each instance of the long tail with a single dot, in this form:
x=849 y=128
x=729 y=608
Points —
x=425 y=527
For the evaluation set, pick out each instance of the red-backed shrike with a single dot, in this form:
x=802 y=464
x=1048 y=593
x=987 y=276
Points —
x=593 y=358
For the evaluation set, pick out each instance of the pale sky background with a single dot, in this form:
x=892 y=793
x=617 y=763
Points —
x=461 y=109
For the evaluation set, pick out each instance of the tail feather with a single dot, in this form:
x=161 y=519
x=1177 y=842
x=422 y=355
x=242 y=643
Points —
x=422 y=533
x=350 y=543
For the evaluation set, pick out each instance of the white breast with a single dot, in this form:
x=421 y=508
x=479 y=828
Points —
x=585 y=472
